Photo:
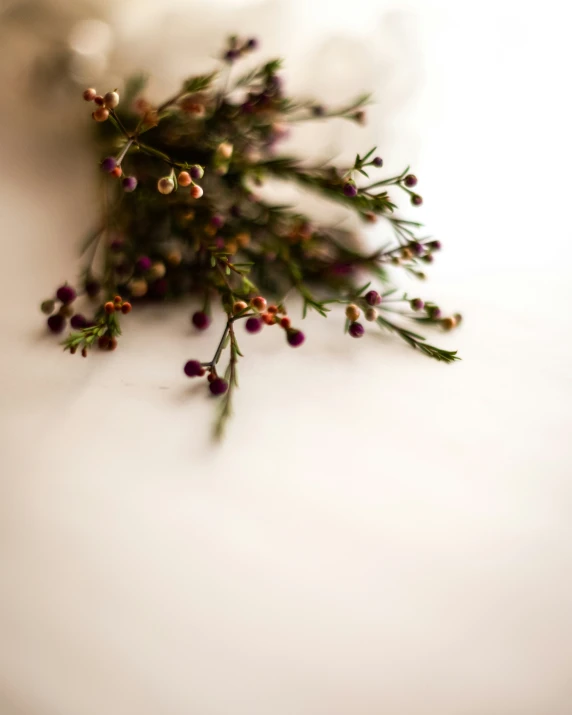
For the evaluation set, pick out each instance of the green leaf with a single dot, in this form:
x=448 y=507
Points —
x=197 y=84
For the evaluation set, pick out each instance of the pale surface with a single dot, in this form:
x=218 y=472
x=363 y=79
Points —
x=379 y=533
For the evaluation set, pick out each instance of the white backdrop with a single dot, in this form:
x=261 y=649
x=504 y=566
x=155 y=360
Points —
x=379 y=533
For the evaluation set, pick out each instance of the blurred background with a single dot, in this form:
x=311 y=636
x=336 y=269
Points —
x=378 y=533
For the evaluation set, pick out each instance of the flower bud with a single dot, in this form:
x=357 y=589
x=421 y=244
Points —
x=48 y=306
x=449 y=323
x=196 y=191
x=416 y=304
x=239 y=306
x=101 y=114
x=372 y=297
x=410 y=181
x=224 y=150
x=174 y=257
x=138 y=287
x=352 y=312
x=157 y=270
x=111 y=100
x=258 y=303
x=197 y=172
x=165 y=185
x=89 y=94
x=371 y=314
x=356 y=330
x=184 y=178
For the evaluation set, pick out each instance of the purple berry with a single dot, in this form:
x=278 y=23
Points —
x=231 y=55
x=201 y=320
x=372 y=297
x=253 y=324
x=78 y=321
x=378 y=161
x=433 y=312
x=196 y=173
x=193 y=368
x=129 y=183
x=416 y=304
x=218 y=386
x=217 y=221
x=416 y=200
x=295 y=338
x=252 y=43
x=109 y=163
x=428 y=258
x=350 y=189
x=143 y=264
x=434 y=245
x=410 y=181
x=356 y=330
x=56 y=323
x=66 y=294
x=416 y=247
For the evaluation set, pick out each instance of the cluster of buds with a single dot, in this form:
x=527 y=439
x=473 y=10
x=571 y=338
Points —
x=58 y=316
x=265 y=314
x=168 y=184
x=112 y=166
x=105 y=104
x=238 y=48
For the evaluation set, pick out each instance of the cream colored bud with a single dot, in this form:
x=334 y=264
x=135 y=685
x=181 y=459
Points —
x=157 y=270
x=165 y=185
x=352 y=312
x=371 y=314
x=138 y=287
x=111 y=100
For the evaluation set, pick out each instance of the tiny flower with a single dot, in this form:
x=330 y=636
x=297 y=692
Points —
x=378 y=161
x=416 y=304
x=416 y=200
x=111 y=100
x=109 y=307
x=143 y=264
x=48 y=307
x=92 y=288
x=449 y=323
x=416 y=247
x=350 y=189
x=56 y=323
x=285 y=322
x=98 y=99
x=138 y=287
x=117 y=172
x=89 y=94
x=66 y=294
x=372 y=297
x=434 y=245
x=410 y=181
x=433 y=312
x=197 y=172
x=165 y=185
x=295 y=338
x=224 y=150
x=66 y=310
x=157 y=270
x=253 y=324
x=371 y=314
x=184 y=178
x=101 y=114
x=126 y=308
x=258 y=303
x=218 y=386
x=193 y=368
x=201 y=320
x=174 y=257
x=78 y=321
x=356 y=330
x=129 y=183
x=239 y=306
x=217 y=221
x=269 y=318
x=352 y=312
x=196 y=191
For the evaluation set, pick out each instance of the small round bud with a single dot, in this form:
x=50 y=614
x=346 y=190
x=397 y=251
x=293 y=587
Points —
x=211 y=376
x=406 y=254
x=111 y=100
x=318 y=110
x=126 y=308
x=295 y=338
x=98 y=99
x=239 y=306
x=231 y=55
x=416 y=247
x=371 y=314
x=410 y=181
x=396 y=260
x=458 y=317
x=101 y=114
x=272 y=309
x=360 y=117
x=197 y=172
x=252 y=44
x=66 y=294
x=193 y=368
x=78 y=321
x=378 y=162
x=157 y=270
x=416 y=304
x=350 y=189
x=201 y=320
x=143 y=264
x=416 y=200
x=109 y=308
x=103 y=342
x=258 y=303
x=184 y=178
x=89 y=94
x=66 y=310
x=253 y=324
x=217 y=221
x=269 y=318
x=433 y=312
x=285 y=322
x=165 y=185
x=352 y=312
x=434 y=245
x=112 y=343
x=73 y=350
x=117 y=172
x=56 y=323
x=372 y=297
x=138 y=287
x=448 y=323
x=129 y=184
x=242 y=239
x=225 y=150
x=196 y=191
x=218 y=386
x=356 y=330
x=174 y=257
x=428 y=258
x=48 y=306
x=84 y=352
